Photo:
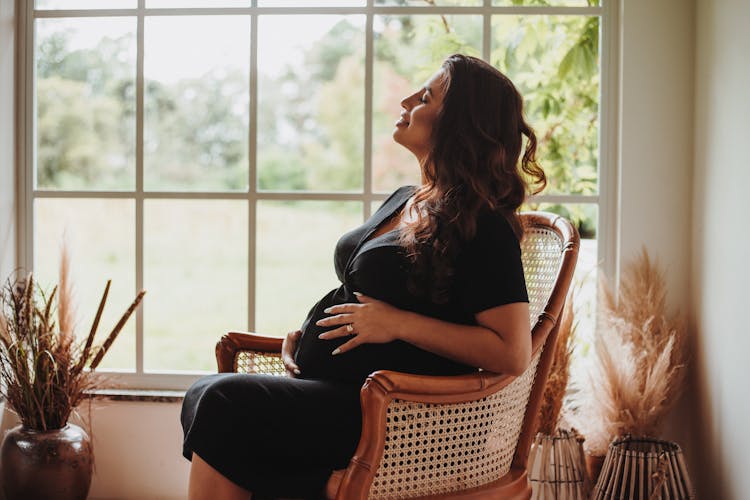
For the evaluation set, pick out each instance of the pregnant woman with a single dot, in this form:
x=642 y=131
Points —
x=432 y=283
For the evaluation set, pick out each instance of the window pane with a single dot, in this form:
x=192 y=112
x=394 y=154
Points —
x=310 y=102
x=429 y=3
x=195 y=254
x=584 y=286
x=85 y=4
x=196 y=103
x=545 y=3
x=554 y=62
x=100 y=235
x=408 y=50
x=307 y=3
x=85 y=103
x=182 y=4
x=296 y=242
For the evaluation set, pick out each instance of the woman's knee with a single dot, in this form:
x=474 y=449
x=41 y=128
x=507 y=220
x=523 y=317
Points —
x=225 y=392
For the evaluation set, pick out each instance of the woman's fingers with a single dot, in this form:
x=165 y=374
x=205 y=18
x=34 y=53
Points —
x=287 y=352
x=342 y=308
x=341 y=331
x=347 y=346
x=338 y=319
x=350 y=307
x=364 y=299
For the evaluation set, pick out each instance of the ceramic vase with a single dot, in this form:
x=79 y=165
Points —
x=55 y=464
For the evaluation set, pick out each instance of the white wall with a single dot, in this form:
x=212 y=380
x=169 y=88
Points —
x=7 y=145
x=656 y=155
x=7 y=141
x=656 y=135
x=721 y=247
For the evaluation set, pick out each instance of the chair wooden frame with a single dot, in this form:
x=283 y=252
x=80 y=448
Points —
x=383 y=387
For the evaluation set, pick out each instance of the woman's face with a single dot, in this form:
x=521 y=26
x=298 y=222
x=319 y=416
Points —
x=421 y=109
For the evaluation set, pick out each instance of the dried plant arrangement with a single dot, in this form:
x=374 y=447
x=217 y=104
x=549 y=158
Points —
x=45 y=371
x=557 y=381
x=638 y=369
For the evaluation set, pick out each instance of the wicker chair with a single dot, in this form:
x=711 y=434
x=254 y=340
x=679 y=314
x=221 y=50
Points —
x=465 y=436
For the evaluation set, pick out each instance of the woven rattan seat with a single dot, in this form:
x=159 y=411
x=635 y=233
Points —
x=464 y=436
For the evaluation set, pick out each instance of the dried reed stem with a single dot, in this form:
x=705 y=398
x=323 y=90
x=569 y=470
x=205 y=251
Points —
x=116 y=330
x=94 y=327
x=557 y=381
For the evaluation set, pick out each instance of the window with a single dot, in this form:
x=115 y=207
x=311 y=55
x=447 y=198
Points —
x=213 y=151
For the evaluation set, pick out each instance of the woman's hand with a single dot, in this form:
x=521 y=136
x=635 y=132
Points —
x=371 y=321
x=287 y=352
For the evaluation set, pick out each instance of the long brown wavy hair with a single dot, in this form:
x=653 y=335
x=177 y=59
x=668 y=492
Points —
x=473 y=166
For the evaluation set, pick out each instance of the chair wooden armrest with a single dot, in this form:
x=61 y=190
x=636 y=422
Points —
x=249 y=352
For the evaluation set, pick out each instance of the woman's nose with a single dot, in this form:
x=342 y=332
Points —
x=408 y=102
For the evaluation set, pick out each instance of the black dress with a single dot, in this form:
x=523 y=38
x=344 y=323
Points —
x=284 y=436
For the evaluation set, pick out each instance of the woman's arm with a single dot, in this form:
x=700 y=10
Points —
x=501 y=342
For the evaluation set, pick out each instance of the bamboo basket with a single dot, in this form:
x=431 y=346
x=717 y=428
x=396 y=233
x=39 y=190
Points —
x=639 y=468
x=557 y=468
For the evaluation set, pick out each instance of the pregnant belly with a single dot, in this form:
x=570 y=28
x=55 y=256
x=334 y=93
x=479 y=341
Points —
x=315 y=360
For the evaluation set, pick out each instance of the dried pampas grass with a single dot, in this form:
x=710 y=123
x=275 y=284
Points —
x=557 y=381
x=638 y=369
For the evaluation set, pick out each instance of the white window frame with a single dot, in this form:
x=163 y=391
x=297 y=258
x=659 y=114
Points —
x=606 y=199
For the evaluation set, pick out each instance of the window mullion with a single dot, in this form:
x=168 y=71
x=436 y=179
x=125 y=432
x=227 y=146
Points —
x=609 y=150
x=369 y=58
x=487 y=32
x=26 y=88
x=252 y=155
x=139 y=198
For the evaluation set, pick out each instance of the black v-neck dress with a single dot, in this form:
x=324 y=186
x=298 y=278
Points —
x=284 y=436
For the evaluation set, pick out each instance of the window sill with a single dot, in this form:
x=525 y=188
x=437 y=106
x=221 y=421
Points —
x=139 y=395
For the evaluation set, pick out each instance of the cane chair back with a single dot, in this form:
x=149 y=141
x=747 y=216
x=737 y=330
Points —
x=259 y=362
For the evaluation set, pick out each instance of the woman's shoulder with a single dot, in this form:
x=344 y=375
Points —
x=496 y=226
x=404 y=192
x=398 y=197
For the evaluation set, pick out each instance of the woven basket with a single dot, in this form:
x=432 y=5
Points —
x=557 y=468
x=643 y=469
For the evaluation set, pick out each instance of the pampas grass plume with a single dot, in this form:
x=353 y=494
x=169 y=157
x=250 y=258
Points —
x=639 y=363
x=66 y=310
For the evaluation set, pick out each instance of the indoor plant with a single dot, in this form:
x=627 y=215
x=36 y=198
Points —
x=556 y=462
x=638 y=368
x=45 y=374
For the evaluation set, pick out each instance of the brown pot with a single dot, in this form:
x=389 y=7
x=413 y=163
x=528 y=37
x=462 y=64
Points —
x=54 y=464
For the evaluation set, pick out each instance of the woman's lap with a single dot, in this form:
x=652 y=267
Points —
x=272 y=434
